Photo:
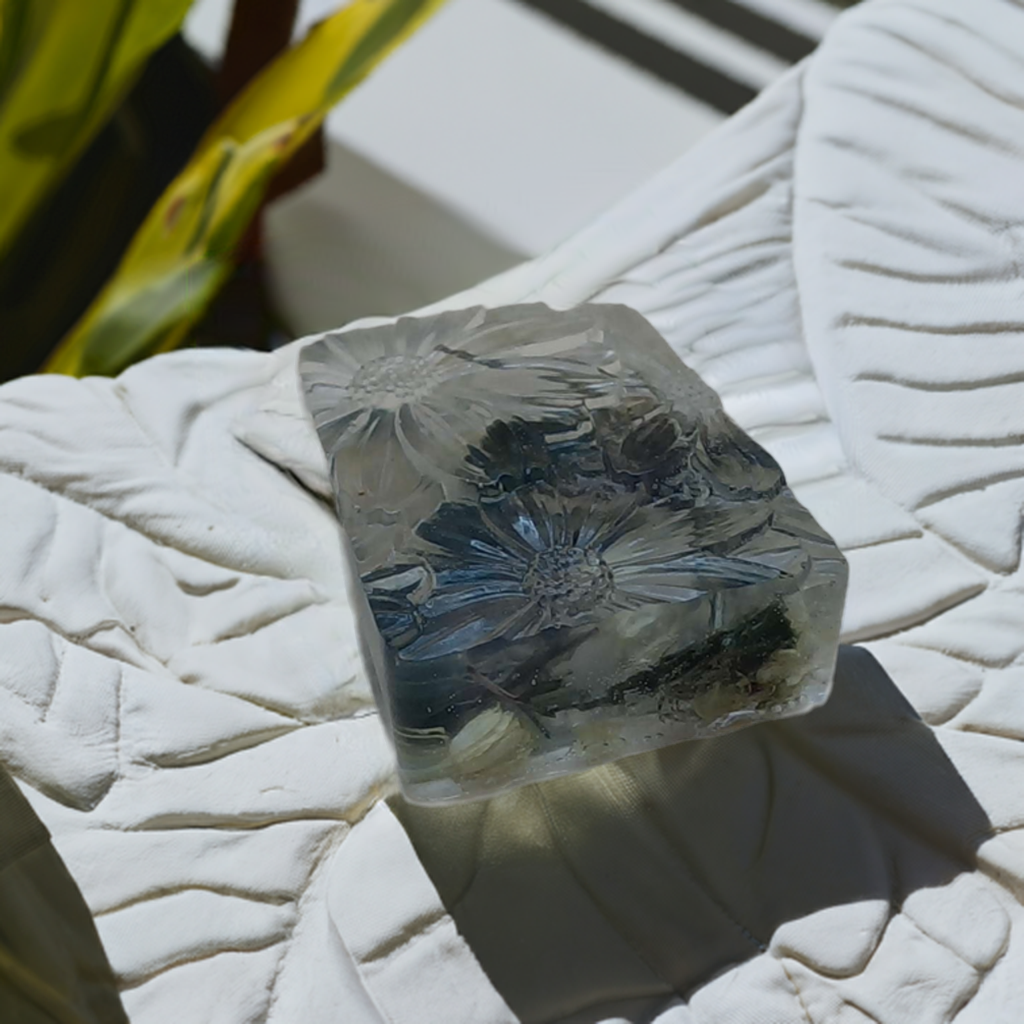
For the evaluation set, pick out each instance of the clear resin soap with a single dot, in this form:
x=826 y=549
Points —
x=567 y=552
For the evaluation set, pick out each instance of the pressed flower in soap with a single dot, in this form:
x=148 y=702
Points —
x=568 y=552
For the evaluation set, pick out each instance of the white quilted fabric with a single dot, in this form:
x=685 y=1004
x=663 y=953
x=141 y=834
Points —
x=182 y=701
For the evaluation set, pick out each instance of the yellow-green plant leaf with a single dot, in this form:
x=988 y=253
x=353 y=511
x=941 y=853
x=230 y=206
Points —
x=64 y=65
x=183 y=251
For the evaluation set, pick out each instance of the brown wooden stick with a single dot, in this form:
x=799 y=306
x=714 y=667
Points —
x=260 y=30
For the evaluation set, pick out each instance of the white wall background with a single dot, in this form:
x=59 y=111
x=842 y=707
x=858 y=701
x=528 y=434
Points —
x=489 y=137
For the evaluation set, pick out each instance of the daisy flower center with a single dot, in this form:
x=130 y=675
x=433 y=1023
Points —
x=568 y=581
x=393 y=381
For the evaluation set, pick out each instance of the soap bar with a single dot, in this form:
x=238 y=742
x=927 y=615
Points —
x=566 y=551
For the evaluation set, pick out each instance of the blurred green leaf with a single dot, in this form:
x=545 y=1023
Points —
x=76 y=237
x=148 y=311
x=64 y=65
x=184 y=250
x=13 y=23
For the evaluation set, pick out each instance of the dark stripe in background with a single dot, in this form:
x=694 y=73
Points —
x=783 y=41
x=671 y=66
x=702 y=81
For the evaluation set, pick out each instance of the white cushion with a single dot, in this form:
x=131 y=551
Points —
x=182 y=701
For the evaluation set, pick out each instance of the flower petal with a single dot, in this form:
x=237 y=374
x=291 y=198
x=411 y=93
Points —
x=515 y=524
x=342 y=426
x=340 y=362
x=462 y=629
x=683 y=578
x=438 y=445
x=377 y=482
x=654 y=588
x=451 y=597
x=461 y=533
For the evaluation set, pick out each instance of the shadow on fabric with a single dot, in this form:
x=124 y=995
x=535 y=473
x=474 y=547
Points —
x=52 y=965
x=606 y=893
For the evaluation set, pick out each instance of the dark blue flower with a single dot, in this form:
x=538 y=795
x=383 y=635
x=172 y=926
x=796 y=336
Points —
x=536 y=560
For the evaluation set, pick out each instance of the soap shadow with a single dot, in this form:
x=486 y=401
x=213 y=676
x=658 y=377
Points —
x=606 y=893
